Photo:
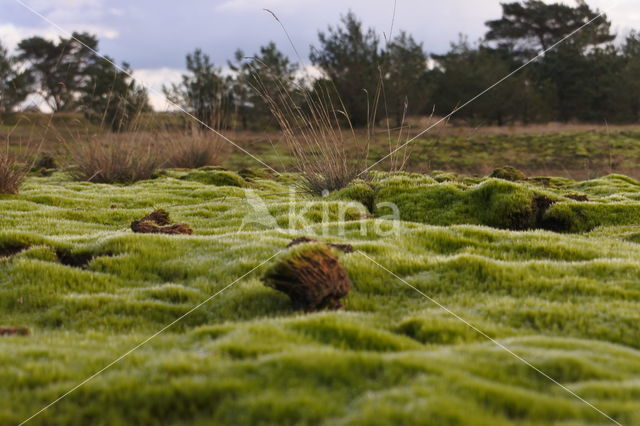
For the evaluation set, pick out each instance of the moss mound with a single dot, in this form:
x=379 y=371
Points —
x=568 y=303
x=494 y=202
x=515 y=205
x=358 y=191
x=215 y=177
x=508 y=173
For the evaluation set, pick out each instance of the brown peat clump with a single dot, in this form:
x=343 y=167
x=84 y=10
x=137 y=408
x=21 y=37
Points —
x=14 y=331
x=311 y=276
x=159 y=222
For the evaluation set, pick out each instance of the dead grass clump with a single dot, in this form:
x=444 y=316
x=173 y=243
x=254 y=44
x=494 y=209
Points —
x=194 y=151
x=15 y=165
x=317 y=131
x=116 y=158
x=311 y=276
x=158 y=222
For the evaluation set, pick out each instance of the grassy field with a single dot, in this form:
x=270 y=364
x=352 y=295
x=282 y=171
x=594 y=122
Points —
x=556 y=281
x=575 y=151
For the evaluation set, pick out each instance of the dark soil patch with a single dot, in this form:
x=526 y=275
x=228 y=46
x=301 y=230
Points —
x=540 y=205
x=345 y=248
x=11 y=250
x=75 y=260
x=313 y=278
x=159 y=222
x=46 y=160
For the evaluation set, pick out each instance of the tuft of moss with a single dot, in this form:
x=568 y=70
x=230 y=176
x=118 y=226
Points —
x=494 y=202
x=215 y=177
x=577 y=217
x=358 y=191
x=255 y=173
x=508 y=173
x=312 y=277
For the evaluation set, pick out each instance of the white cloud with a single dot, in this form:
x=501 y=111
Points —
x=249 y=5
x=153 y=80
x=71 y=15
x=11 y=34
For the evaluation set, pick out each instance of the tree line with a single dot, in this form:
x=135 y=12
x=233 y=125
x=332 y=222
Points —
x=587 y=77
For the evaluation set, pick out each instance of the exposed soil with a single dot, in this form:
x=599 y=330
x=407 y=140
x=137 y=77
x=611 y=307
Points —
x=76 y=260
x=11 y=250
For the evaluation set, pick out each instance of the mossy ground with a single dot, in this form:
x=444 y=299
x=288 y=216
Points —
x=567 y=302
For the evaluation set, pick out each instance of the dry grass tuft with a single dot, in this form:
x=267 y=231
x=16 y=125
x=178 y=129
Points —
x=116 y=158
x=317 y=131
x=15 y=164
x=195 y=150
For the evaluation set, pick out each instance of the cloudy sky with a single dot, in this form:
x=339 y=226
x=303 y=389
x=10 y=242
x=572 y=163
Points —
x=154 y=36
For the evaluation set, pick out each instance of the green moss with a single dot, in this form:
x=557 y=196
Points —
x=565 y=302
x=508 y=173
x=213 y=177
x=493 y=202
x=437 y=330
x=584 y=217
x=358 y=191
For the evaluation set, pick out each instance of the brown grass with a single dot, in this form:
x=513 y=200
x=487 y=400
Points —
x=317 y=132
x=191 y=151
x=16 y=161
x=115 y=158
x=12 y=171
